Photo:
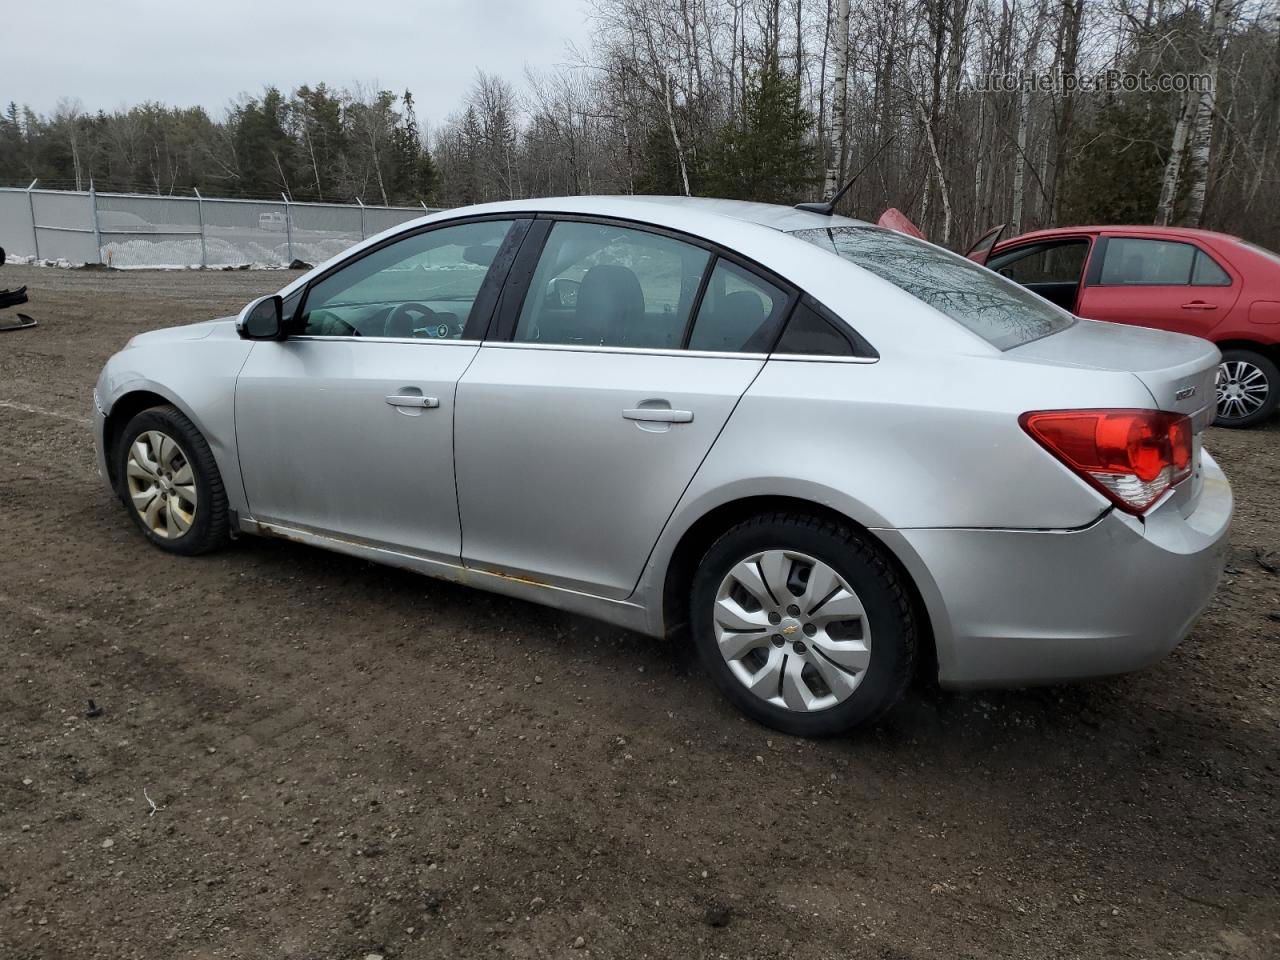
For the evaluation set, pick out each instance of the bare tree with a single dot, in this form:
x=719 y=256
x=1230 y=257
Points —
x=1202 y=129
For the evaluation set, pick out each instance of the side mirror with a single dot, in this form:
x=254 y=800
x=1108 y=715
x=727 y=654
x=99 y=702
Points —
x=261 y=320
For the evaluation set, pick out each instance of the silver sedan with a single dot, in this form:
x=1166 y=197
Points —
x=830 y=455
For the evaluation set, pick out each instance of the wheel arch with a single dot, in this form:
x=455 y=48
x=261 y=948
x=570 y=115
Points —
x=142 y=395
x=698 y=536
x=1269 y=350
x=125 y=408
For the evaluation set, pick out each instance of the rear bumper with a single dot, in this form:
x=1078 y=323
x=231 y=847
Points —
x=1011 y=608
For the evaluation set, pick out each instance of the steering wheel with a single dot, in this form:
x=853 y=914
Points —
x=399 y=323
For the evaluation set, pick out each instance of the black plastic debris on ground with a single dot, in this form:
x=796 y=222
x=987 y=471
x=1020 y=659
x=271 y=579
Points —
x=13 y=298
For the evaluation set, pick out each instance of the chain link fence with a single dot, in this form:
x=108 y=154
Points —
x=138 y=230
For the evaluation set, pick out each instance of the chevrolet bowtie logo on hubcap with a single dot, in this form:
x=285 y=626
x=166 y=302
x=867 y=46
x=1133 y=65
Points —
x=790 y=628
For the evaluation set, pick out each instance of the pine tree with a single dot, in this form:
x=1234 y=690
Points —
x=413 y=174
x=321 y=139
x=264 y=149
x=1118 y=179
x=768 y=153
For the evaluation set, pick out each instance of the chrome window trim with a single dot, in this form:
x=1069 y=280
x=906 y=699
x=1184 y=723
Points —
x=446 y=341
x=642 y=351
x=675 y=352
x=821 y=358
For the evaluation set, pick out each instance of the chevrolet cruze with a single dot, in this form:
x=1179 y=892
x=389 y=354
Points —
x=830 y=455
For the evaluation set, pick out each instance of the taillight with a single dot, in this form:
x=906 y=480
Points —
x=1131 y=456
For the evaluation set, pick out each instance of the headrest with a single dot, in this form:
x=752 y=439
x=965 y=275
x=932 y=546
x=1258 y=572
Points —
x=609 y=302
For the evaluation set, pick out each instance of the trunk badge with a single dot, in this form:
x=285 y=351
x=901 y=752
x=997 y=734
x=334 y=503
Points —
x=1184 y=393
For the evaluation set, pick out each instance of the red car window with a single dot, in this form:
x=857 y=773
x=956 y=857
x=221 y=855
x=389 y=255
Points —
x=1140 y=261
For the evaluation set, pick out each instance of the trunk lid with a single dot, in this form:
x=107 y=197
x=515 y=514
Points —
x=1178 y=370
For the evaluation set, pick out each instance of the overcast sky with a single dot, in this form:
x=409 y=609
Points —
x=113 y=53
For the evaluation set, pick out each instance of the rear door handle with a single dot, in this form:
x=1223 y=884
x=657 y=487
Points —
x=1199 y=305
x=407 y=400
x=658 y=415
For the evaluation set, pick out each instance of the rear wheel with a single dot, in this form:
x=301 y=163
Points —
x=803 y=624
x=170 y=484
x=1248 y=388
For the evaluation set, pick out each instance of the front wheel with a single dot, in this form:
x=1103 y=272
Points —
x=170 y=484
x=1248 y=388
x=803 y=624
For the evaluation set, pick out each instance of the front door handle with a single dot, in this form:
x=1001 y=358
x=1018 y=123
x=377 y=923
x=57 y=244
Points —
x=1199 y=305
x=410 y=400
x=658 y=415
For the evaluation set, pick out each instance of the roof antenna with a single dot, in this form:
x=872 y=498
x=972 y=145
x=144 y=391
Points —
x=828 y=207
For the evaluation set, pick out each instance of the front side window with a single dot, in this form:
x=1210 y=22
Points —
x=1134 y=261
x=739 y=312
x=998 y=310
x=1061 y=262
x=424 y=286
x=601 y=285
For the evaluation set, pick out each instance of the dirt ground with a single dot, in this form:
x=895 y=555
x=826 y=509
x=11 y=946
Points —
x=302 y=755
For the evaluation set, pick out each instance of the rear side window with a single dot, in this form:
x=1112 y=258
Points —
x=601 y=285
x=998 y=310
x=1131 y=261
x=812 y=332
x=739 y=313
x=1135 y=261
x=1207 y=273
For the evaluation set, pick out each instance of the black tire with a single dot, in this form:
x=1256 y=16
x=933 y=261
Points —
x=865 y=568
x=1267 y=367
x=210 y=524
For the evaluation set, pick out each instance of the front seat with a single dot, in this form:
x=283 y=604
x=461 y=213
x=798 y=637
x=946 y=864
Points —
x=610 y=303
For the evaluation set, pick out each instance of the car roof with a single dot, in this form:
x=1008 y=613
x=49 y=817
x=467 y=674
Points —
x=1148 y=229
x=650 y=209
x=730 y=223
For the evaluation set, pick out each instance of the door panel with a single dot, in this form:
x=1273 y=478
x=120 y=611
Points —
x=347 y=429
x=982 y=247
x=354 y=438
x=1147 y=282
x=570 y=460
x=1193 y=310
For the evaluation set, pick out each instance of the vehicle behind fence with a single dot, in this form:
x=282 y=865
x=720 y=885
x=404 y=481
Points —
x=138 y=230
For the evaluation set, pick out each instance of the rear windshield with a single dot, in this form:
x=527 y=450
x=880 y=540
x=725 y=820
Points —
x=998 y=310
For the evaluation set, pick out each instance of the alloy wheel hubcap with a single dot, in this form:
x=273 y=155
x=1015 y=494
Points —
x=1242 y=389
x=161 y=483
x=792 y=630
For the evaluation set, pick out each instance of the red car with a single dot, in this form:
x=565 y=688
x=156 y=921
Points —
x=1207 y=284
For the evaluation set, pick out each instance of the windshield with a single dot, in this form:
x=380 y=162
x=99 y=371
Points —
x=998 y=310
